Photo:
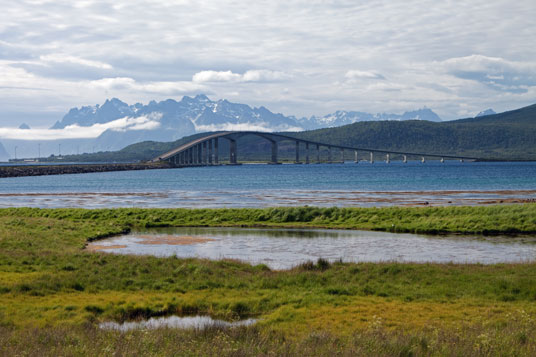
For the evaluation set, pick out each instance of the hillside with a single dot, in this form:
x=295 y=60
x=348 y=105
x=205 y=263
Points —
x=509 y=136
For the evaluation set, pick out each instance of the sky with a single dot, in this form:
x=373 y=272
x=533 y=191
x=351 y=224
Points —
x=298 y=57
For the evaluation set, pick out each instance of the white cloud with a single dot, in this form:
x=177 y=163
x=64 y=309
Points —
x=83 y=132
x=126 y=84
x=257 y=75
x=64 y=58
x=356 y=74
x=157 y=49
x=498 y=72
x=244 y=127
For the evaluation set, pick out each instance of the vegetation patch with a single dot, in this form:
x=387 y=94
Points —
x=53 y=292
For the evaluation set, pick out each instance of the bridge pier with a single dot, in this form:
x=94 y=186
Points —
x=342 y=156
x=317 y=153
x=329 y=154
x=356 y=159
x=307 y=153
x=371 y=157
x=232 y=152
x=297 y=161
x=199 y=154
x=210 y=159
x=204 y=156
x=216 y=154
x=274 y=152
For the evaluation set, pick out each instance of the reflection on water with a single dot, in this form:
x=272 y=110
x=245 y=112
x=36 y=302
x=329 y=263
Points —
x=285 y=248
x=194 y=322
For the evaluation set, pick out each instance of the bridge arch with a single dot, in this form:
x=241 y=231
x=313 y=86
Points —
x=204 y=151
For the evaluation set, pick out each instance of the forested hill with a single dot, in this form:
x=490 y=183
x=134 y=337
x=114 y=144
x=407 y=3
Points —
x=509 y=135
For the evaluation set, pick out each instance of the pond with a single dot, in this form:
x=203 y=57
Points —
x=189 y=322
x=286 y=248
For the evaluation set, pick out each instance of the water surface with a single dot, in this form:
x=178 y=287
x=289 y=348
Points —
x=364 y=184
x=286 y=248
x=193 y=322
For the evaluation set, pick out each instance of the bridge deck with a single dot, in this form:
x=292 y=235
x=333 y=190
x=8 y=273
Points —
x=234 y=135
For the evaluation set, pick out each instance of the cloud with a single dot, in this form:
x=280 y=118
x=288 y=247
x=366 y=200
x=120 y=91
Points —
x=245 y=127
x=81 y=52
x=63 y=58
x=145 y=122
x=125 y=83
x=257 y=75
x=495 y=72
x=356 y=74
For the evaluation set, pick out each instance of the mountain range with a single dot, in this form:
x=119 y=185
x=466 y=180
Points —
x=170 y=120
x=505 y=136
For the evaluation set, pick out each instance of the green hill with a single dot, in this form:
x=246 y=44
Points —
x=509 y=136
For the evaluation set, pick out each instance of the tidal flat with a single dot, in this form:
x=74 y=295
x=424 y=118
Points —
x=54 y=293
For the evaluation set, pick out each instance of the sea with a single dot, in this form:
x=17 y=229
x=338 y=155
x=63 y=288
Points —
x=259 y=185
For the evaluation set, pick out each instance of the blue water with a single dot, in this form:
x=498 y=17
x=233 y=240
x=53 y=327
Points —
x=269 y=185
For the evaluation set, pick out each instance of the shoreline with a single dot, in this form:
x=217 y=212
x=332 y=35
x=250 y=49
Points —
x=65 y=169
x=280 y=198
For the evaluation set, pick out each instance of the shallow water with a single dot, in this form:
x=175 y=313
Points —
x=193 y=322
x=364 y=184
x=286 y=248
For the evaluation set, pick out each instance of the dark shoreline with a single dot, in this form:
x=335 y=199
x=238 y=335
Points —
x=42 y=170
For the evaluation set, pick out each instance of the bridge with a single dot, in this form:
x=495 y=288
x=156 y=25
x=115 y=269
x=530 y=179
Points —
x=204 y=151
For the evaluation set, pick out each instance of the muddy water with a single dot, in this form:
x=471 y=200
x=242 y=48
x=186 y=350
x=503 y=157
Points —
x=285 y=248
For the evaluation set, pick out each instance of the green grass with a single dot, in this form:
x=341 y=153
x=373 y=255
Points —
x=53 y=292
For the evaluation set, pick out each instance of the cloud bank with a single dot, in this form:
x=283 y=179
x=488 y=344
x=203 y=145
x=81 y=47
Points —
x=83 y=132
x=299 y=58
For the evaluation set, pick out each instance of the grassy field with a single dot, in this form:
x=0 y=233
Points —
x=53 y=293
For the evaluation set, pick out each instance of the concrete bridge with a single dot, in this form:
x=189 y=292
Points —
x=204 y=151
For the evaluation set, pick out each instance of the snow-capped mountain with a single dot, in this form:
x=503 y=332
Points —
x=118 y=124
x=170 y=120
x=486 y=112
x=342 y=117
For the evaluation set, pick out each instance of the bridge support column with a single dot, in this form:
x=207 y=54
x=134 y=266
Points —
x=329 y=154
x=199 y=154
x=317 y=153
x=232 y=152
x=387 y=159
x=356 y=159
x=204 y=153
x=342 y=156
x=216 y=154
x=297 y=161
x=274 y=152
x=371 y=157
x=210 y=160
x=307 y=153
x=191 y=156
x=405 y=159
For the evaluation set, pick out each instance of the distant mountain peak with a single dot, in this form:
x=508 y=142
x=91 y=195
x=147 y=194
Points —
x=485 y=112
x=24 y=126
x=202 y=97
